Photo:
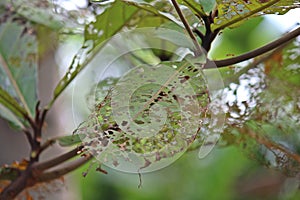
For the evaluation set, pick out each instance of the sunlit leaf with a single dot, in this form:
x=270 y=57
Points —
x=41 y=12
x=164 y=11
x=108 y=23
x=232 y=13
x=159 y=8
x=18 y=64
x=199 y=7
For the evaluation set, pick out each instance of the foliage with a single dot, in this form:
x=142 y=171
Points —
x=264 y=125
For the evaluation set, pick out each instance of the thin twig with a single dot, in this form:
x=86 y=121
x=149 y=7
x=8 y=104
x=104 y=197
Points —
x=47 y=144
x=271 y=145
x=58 y=160
x=259 y=51
x=187 y=27
x=235 y=77
x=29 y=137
x=209 y=34
x=43 y=117
x=198 y=32
x=48 y=176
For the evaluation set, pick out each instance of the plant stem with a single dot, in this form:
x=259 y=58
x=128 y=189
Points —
x=49 y=176
x=201 y=36
x=209 y=34
x=34 y=173
x=58 y=160
x=187 y=27
x=271 y=145
x=259 y=51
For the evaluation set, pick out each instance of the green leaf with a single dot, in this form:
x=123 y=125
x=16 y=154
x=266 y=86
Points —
x=233 y=13
x=107 y=24
x=18 y=65
x=199 y=7
x=10 y=109
x=40 y=13
x=70 y=140
x=207 y=5
x=158 y=8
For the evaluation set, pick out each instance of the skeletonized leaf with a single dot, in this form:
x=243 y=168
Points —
x=171 y=107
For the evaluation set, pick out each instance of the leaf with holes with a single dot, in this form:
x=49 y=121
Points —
x=232 y=13
x=162 y=119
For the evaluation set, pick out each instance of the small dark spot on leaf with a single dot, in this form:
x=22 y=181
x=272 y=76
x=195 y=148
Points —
x=175 y=97
x=139 y=121
x=115 y=163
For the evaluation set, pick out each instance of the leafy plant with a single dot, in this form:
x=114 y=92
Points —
x=265 y=125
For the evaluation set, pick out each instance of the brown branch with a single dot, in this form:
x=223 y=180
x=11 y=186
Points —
x=209 y=34
x=199 y=33
x=235 y=77
x=34 y=173
x=37 y=126
x=58 y=160
x=271 y=145
x=259 y=51
x=29 y=137
x=16 y=187
x=47 y=144
x=48 y=176
x=187 y=27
